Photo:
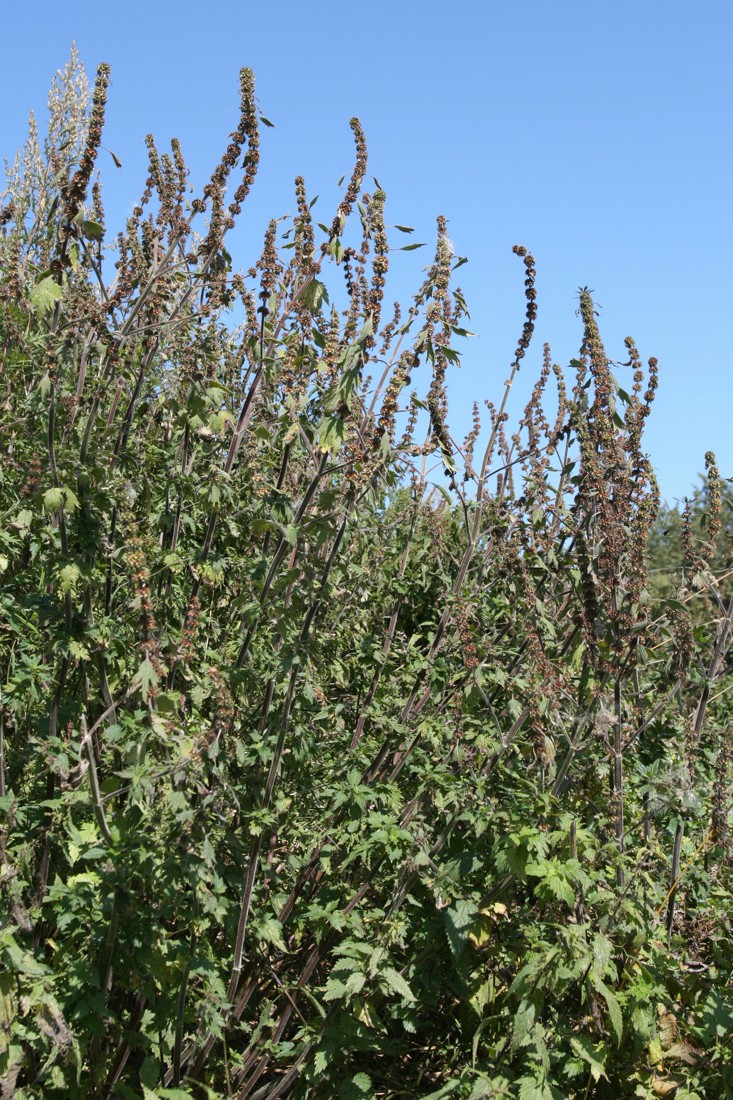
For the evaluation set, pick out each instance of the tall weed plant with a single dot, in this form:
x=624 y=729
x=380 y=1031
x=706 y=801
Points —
x=319 y=779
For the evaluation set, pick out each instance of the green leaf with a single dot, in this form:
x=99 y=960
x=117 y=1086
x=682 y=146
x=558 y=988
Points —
x=330 y=435
x=53 y=499
x=360 y=1085
x=553 y=881
x=614 y=1008
x=150 y=1072
x=336 y=250
x=19 y=961
x=168 y=702
x=23 y=520
x=72 y=501
x=45 y=295
x=69 y=578
x=77 y=650
x=270 y=930
x=395 y=983
x=459 y=920
x=447 y=1090
x=589 y=1052
x=411 y=247
x=93 y=231
x=335 y=990
x=676 y=604
x=529 y=1089
x=147 y=677
x=355 y=983
x=524 y=1020
x=443 y=492
x=314 y=294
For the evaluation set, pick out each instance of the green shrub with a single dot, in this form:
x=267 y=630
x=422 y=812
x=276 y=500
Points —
x=321 y=778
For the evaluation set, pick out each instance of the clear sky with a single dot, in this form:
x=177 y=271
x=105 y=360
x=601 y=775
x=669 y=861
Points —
x=598 y=135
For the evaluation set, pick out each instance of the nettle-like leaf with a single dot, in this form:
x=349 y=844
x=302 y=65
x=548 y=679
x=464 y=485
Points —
x=553 y=881
x=459 y=920
x=45 y=294
x=393 y=982
x=592 y=1055
x=357 y=1086
x=338 y=756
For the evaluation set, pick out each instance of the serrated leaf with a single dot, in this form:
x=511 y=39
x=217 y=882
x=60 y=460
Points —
x=93 y=231
x=360 y=1085
x=533 y=1090
x=314 y=294
x=396 y=984
x=78 y=651
x=69 y=578
x=614 y=1008
x=147 y=677
x=45 y=295
x=270 y=930
x=330 y=434
x=53 y=499
x=23 y=520
x=447 y=1090
x=524 y=1020
x=71 y=500
x=355 y=983
x=588 y=1051
x=335 y=990
x=150 y=1072
x=459 y=920
x=559 y=887
x=19 y=961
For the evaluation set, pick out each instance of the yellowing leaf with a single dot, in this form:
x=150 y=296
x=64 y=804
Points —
x=667 y=1025
x=666 y=1086
x=684 y=1052
x=482 y=934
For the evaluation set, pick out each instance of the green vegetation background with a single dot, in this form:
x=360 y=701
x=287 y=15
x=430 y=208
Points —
x=320 y=777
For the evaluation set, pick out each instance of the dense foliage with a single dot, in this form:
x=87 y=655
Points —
x=319 y=778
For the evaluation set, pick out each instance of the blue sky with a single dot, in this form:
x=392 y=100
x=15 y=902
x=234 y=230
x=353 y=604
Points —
x=597 y=135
